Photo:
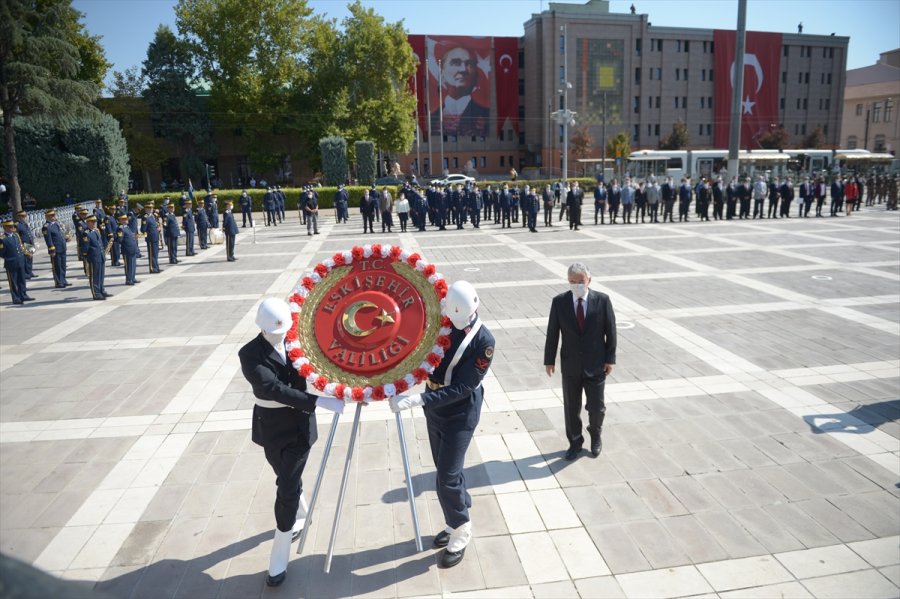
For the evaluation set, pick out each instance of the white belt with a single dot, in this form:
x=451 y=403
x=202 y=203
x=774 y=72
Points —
x=267 y=403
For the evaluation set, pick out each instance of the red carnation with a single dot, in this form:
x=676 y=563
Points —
x=378 y=393
x=321 y=270
x=446 y=322
x=434 y=359
x=291 y=334
x=297 y=299
x=429 y=270
x=444 y=342
x=320 y=383
x=308 y=283
x=339 y=391
x=295 y=354
x=421 y=374
x=357 y=393
x=306 y=370
x=413 y=258
x=338 y=259
x=376 y=250
x=357 y=253
x=440 y=287
x=395 y=253
x=401 y=385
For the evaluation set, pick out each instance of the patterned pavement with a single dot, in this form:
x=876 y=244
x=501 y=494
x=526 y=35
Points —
x=752 y=446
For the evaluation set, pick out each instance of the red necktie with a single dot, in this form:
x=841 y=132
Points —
x=579 y=314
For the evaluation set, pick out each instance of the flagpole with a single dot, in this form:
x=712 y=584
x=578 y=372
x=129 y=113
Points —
x=441 y=110
x=418 y=138
x=737 y=92
x=428 y=110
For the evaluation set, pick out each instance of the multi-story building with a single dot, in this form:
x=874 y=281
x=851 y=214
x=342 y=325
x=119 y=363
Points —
x=870 y=106
x=626 y=74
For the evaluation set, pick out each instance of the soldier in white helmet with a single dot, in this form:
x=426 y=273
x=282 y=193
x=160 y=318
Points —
x=452 y=405
x=284 y=424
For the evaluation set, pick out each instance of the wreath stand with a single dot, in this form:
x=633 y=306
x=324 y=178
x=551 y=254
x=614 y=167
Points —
x=347 y=462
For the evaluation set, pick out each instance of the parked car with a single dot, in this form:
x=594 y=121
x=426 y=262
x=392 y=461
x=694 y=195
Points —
x=456 y=178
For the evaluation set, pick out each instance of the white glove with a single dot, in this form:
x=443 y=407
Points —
x=330 y=403
x=405 y=402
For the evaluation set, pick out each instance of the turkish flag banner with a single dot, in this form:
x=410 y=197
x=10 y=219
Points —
x=506 y=69
x=759 y=105
x=419 y=84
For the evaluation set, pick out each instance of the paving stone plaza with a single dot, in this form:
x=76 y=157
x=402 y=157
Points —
x=751 y=446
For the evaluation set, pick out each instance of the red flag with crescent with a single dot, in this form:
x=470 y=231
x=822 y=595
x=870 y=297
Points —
x=759 y=105
x=506 y=69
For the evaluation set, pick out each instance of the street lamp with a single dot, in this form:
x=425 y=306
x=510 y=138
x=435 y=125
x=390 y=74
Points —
x=566 y=118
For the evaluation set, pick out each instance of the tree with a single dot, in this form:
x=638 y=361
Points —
x=85 y=156
x=176 y=111
x=619 y=147
x=814 y=140
x=252 y=55
x=334 y=159
x=677 y=139
x=582 y=143
x=41 y=70
x=144 y=148
x=775 y=139
x=365 y=162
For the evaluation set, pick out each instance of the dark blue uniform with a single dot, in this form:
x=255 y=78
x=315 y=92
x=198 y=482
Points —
x=172 y=234
x=685 y=195
x=190 y=229
x=532 y=207
x=202 y=220
x=341 y=200
x=92 y=247
x=270 y=208
x=150 y=228
x=25 y=235
x=56 y=246
x=212 y=212
x=474 y=206
x=111 y=230
x=505 y=203
x=418 y=206
x=452 y=411
x=230 y=228
x=13 y=253
x=128 y=243
x=246 y=209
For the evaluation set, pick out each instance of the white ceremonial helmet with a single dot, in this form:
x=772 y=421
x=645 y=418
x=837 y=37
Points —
x=274 y=316
x=461 y=304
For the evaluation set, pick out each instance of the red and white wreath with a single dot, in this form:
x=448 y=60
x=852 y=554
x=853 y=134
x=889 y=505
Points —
x=368 y=393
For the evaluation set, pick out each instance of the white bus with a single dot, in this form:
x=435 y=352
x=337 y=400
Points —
x=705 y=163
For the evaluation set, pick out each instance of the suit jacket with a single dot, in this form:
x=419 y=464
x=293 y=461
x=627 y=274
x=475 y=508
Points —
x=275 y=380
x=583 y=353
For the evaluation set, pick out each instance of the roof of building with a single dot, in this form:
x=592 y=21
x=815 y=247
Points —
x=876 y=73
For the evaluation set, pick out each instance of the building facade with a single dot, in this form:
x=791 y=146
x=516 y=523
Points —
x=626 y=74
x=870 y=106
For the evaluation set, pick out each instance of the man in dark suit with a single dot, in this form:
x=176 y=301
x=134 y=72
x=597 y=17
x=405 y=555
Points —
x=284 y=424
x=588 y=326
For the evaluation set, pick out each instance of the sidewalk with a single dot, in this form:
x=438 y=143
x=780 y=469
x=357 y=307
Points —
x=752 y=446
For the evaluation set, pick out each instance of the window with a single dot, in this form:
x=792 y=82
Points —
x=702 y=74
x=803 y=129
x=657 y=101
x=712 y=47
x=705 y=47
x=659 y=45
x=830 y=52
x=562 y=44
x=711 y=78
x=684 y=101
x=649 y=130
x=709 y=101
x=637 y=46
x=501 y=161
x=685 y=74
x=702 y=101
x=802 y=51
x=562 y=74
x=656 y=129
x=709 y=129
x=798 y=103
x=521 y=138
x=859 y=110
x=799 y=77
x=825 y=129
x=677 y=74
x=637 y=104
x=781 y=104
x=699 y=129
x=501 y=135
x=676 y=101
x=796 y=131
x=879 y=144
x=823 y=79
x=784 y=76
x=876 y=112
x=509 y=159
x=888 y=111
x=784 y=50
x=827 y=103
x=446 y=164
x=455 y=163
x=649 y=101
x=637 y=74
x=828 y=79
x=659 y=73
x=805 y=103
x=483 y=162
x=821 y=103
x=678 y=45
x=635 y=133
x=687 y=45
x=806 y=78
x=852 y=142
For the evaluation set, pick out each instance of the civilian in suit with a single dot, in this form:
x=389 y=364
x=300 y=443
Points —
x=587 y=323
x=573 y=203
x=284 y=424
x=230 y=228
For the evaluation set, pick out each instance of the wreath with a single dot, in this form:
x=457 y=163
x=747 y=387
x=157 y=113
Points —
x=316 y=275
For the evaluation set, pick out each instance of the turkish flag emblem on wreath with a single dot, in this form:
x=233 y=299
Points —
x=759 y=105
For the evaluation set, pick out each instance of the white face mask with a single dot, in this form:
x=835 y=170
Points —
x=460 y=322
x=579 y=290
x=275 y=339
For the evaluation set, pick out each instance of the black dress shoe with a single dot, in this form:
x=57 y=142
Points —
x=274 y=581
x=18 y=302
x=107 y=294
x=596 y=446
x=68 y=284
x=28 y=298
x=441 y=539
x=572 y=453
x=448 y=559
